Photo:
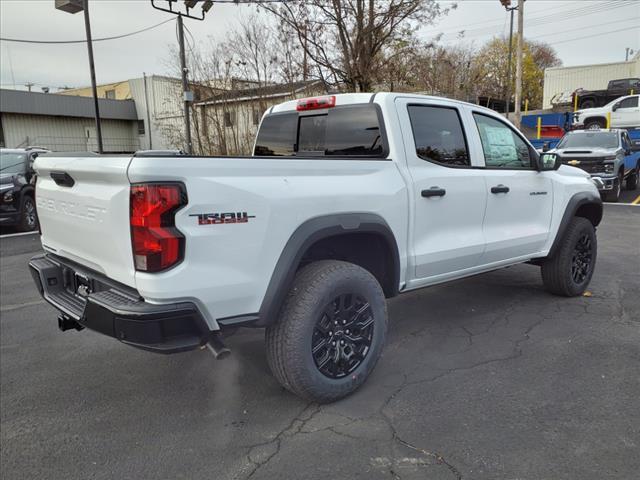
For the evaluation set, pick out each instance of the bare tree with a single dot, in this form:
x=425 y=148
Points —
x=346 y=39
x=254 y=56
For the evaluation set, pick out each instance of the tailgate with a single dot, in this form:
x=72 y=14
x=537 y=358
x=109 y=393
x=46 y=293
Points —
x=83 y=208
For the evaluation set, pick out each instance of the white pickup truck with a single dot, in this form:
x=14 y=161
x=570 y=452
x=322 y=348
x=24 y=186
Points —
x=348 y=199
x=623 y=112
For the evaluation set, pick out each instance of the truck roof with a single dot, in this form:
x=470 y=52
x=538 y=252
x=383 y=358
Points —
x=360 y=98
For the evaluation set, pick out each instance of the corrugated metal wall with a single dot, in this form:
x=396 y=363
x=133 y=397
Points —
x=592 y=77
x=67 y=134
x=164 y=97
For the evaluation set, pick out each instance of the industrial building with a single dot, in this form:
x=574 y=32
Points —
x=158 y=103
x=66 y=123
x=562 y=80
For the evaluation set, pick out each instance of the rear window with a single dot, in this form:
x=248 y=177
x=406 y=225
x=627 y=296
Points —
x=351 y=131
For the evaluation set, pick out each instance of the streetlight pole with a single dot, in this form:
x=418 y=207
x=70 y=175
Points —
x=75 y=6
x=96 y=106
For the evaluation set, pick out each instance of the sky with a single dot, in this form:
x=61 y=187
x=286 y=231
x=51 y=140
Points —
x=581 y=31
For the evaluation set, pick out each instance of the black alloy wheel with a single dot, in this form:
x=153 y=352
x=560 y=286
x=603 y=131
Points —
x=29 y=220
x=582 y=259
x=342 y=335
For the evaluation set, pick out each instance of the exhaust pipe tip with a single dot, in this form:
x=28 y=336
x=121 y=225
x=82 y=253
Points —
x=217 y=347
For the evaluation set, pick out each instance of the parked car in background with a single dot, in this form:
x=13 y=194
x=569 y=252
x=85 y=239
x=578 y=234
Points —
x=348 y=199
x=17 y=183
x=615 y=89
x=624 y=111
x=609 y=155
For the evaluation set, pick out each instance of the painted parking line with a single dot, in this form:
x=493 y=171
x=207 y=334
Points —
x=636 y=201
x=21 y=234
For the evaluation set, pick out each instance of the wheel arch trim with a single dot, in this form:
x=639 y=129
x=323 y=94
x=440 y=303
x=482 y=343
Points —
x=577 y=201
x=307 y=234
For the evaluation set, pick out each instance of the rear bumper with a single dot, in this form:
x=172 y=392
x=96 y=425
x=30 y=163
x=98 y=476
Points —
x=116 y=310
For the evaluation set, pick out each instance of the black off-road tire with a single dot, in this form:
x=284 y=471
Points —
x=557 y=271
x=28 y=215
x=632 y=179
x=289 y=339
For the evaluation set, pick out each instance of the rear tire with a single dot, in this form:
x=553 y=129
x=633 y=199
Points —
x=312 y=348
x=588 y=103
x=28 y=215
x=569 y=271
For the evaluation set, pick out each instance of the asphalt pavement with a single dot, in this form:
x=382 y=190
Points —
x=485 y=378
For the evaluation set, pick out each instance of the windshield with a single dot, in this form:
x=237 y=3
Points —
x=590 y=140
x=12 y=162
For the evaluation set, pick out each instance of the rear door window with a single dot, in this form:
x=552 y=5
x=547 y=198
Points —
x=349 y=131
x=438 y=135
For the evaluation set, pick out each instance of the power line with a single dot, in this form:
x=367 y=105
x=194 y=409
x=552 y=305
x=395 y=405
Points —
x=583 y=27
x=18 y=40
x=593 y=35
x=545 y=19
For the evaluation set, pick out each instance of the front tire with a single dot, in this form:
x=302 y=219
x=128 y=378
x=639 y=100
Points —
x=28 y=215
x=330 y=333
x=594 y=124
x=632 y=179
x=569 y=271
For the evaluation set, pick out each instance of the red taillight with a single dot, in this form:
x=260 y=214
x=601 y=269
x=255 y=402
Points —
x=316 y=103
x=157 y=243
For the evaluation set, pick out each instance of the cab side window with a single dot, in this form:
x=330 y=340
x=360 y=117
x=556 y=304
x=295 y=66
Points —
x=629 y=102
x=502 y=147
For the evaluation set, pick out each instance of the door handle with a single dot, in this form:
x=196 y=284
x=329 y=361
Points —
x=434 y=192
x=62 y=179
x=500 y=189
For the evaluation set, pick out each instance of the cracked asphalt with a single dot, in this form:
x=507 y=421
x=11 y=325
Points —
x=485 y=378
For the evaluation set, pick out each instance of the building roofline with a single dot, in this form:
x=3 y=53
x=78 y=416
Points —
x=36 y=103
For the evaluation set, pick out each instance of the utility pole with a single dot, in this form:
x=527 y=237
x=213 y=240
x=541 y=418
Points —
x=188 y=95
x=188 y=12
x=508 y=96
x=520 y=50
x=29 y=85
x=75 y=6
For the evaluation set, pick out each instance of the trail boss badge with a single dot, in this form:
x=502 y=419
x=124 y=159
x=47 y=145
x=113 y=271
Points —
x=222 y=218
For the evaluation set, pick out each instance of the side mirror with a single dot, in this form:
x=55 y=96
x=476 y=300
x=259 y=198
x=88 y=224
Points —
x=545 y=147
x=548 y=161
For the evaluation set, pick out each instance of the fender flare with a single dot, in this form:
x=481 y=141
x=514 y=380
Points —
x=575 y=202
x=304 y=237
